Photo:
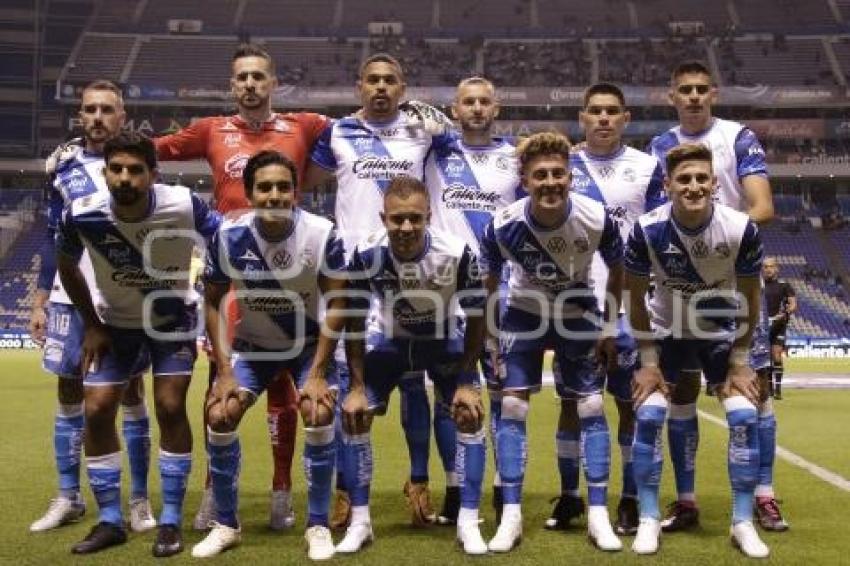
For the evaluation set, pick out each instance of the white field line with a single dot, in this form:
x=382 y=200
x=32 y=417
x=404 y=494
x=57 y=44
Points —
x=831 y=478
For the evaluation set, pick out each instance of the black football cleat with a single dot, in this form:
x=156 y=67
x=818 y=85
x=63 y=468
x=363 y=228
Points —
x=567 y=508
x=102 y=536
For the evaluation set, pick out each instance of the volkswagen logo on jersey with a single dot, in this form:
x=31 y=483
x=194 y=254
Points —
x=281 y=259
x=558 y=245
x=236 y=164
x=581 y=245
x=606 y=171
x=699 y=250
x=480 y=158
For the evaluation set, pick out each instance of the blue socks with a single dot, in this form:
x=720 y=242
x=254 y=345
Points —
x=683 y=435
x=357 y=465
x=511 y=443
x=596 y=448
x=105 y=479
x=174 y=472
x=225 y=461
x=568 y=451
x=137 y=438
x=445 y=433
x=319 y=459
x=625 y=441
x=416 y=421
x=647 y=455
x=767 y=449
x=68 y=427
x=471 y=457
x=743 y=422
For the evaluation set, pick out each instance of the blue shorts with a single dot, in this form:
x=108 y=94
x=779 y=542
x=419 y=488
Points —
x=133 y=351
x=63 y=346
x=387 y=360
x=711 y=356
x=255 y=376
x=619 y=382
x=578 y=374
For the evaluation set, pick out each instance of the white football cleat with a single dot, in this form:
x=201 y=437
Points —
x=219 y=539
x=746 y=538
x=647 y=537
x=61 y=511
x=599 y=529
x=141 y=515
x=508 y=535
x=206 y=512
x=356 y=537
x=320 y=544
x=282 y=515
x=469 y=537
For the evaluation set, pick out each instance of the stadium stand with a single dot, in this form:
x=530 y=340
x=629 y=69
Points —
x=775 y=60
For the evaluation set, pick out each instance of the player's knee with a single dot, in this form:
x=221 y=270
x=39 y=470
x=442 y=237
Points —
x=321 y=416
x=70 y=391
x=466 y=421
x=170 y=411
x=220 y=421
x=590 y=406
x=514 y=408
x=134 y=392
x=654 y=410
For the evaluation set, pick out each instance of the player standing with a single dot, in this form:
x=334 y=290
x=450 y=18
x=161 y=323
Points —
x=741 y=171
x=136 y=238
x=470 y=179
x=781 y=303
x=705 y=259
x=77 y=172
x=549 y=239
x=226 y=143
x=628 y=183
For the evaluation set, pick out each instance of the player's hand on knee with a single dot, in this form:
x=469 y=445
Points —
x=225 y=391
x=355 y=410
x=647 y=380
x=96 y=343
x=467 y=409
x=315 y=394
x=741 y=380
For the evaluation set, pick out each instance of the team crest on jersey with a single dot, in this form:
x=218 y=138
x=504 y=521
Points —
x=558 y=245
x=629 y=175
x=699 y=250
x=581 y=245
x=282 y=259
x=722 y=249
x=233 y=140
x=307 y=260
x=236 y=165
x=503 y=163
x=480 y=158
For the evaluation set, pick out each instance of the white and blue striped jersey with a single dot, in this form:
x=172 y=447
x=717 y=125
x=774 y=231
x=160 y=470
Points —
x=134 y=259
x=628 y=183
x=365 y=157
x=469 y=184
x=76 y=176
x=736 y=153
x=276 y=283
x=550 y=267
x=695 y=271
x=420 y=298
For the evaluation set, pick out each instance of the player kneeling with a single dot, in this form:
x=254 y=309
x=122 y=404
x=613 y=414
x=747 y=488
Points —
x=703 y=256
x=281 y=260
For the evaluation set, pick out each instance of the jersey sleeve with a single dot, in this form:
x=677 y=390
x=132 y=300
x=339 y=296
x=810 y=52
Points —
x=68 y=239
x=610 y=244
x=655 y=195
x=314 y=126
x=333 y=261
x=207 y=220
x=491 y=261
x=47 y=271
x=213 y=272
x=322 y=153
x=469 y=281
x=188 y=143
x=637 y=252
x=750 y=254
x=749 y=154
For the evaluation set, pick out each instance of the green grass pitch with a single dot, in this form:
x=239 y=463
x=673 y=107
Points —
x=813 y=424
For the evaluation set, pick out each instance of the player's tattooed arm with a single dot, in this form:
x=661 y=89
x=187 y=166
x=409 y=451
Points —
x=648 y=378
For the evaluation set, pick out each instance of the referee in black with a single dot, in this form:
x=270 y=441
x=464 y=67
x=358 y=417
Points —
x=781 y=304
